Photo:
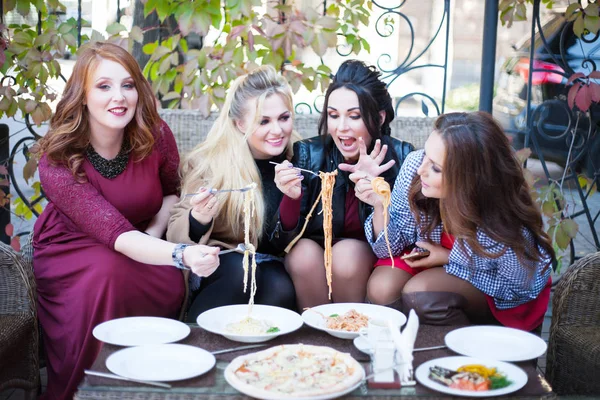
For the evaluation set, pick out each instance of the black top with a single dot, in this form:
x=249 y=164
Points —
x=321 y=154
x=272 y=197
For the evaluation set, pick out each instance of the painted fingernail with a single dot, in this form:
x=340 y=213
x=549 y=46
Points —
x=299 y=173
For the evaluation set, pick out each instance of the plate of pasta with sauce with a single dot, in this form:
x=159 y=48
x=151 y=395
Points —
x=246 y=324
x=344 y=320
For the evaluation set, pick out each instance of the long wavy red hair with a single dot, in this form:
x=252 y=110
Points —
x=483 y=188
x=68 y=137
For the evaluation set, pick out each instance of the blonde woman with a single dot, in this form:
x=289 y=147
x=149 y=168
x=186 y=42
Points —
x=254 y=128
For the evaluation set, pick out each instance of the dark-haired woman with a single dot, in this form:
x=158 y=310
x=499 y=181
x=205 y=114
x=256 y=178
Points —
x=357 y=108
x=465 y=200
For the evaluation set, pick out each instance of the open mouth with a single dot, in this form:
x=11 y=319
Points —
x=118 y=111
x=347 y=142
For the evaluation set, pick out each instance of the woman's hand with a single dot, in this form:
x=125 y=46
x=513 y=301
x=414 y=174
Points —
x=288 y=180
x=202 y=260
x=204 y=206
x=438 y=256
x=369 y=164
x=363 y=190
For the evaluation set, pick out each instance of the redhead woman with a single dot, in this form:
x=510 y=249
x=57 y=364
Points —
x=109 y=171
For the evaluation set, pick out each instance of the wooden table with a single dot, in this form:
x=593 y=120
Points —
x=212 y=385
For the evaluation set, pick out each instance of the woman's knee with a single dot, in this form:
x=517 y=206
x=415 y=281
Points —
x=385 y=286
x=306 y=258
x=352 y=259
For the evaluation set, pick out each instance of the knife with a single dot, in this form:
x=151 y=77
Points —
x=122 y=378
x=252 y=346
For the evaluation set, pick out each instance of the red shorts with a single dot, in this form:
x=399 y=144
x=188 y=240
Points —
x=527 y=316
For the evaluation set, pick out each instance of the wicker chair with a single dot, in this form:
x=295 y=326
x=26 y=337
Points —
x=19 y=332
x=190 y=127
x=573 y=363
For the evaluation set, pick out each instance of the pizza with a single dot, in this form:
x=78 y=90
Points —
x=293 y=371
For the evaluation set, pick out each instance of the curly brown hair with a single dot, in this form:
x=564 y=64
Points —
x=68 y=137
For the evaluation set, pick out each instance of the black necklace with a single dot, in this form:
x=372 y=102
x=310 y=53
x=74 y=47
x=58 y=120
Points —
x=109 y=169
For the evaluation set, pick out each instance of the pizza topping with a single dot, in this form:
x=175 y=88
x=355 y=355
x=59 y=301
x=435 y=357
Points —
x=295 y=371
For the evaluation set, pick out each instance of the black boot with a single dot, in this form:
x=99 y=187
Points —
x=436 y=308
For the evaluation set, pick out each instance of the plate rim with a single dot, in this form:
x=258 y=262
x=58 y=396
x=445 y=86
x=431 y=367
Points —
x=336 y=332
x=468 y=359
x=99 y=329
x=147 y=349
x=460 y=331
x=265 y=336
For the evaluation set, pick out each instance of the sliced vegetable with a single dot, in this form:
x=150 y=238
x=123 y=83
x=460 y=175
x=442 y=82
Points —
x=273 y=329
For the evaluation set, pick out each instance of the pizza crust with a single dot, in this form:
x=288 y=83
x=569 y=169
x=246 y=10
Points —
x=352 y=373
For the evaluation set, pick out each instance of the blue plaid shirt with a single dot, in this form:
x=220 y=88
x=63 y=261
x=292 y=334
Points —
x=503 y=278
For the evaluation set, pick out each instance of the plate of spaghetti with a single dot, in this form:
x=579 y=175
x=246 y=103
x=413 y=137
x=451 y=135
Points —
x=344 y=320
x=261 y=324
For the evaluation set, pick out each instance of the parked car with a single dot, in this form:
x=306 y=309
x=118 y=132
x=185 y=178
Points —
x=548 y=87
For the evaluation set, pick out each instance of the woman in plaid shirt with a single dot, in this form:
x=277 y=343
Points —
x=465 y=200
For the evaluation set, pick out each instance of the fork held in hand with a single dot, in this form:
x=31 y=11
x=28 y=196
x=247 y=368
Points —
x=299 y=169
x=239 y=248
x=215 y=191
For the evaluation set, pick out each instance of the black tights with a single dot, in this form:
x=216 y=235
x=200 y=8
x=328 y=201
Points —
x=226 y=286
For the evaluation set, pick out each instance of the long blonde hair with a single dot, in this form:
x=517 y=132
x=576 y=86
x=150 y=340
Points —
x=224 y=159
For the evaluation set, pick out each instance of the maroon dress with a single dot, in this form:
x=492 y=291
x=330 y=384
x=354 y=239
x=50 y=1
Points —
x=81 y=280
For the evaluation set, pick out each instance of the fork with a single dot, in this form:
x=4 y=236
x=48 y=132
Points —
x=216 y=191
x=240 y=247
x=299 y=169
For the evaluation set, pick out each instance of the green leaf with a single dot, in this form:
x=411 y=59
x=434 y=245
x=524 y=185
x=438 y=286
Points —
x=150 y=48
x=562 y=239
x=115 y=28
x=578 y=26
x=591 y=10
x=137 y=34
x=592 y=24
x=171 y=96
x=572 y=11
x=570 y=227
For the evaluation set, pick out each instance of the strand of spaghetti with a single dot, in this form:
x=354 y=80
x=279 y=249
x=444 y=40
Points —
x=382 y=188
x=293 y=242
x=327 y=184
x=247 y=205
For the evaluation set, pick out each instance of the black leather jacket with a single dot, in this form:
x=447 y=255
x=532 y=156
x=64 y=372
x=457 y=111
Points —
x=321 y=154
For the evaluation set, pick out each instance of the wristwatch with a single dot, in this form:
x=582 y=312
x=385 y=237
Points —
x=178 y=255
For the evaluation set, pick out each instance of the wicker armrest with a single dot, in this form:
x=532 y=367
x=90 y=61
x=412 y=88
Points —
x=19 y=332
x=576 y=300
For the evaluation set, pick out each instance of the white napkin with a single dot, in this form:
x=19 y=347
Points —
x=405 y=343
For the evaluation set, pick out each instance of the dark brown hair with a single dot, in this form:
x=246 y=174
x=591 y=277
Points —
x=483 y=188
x=68 y=136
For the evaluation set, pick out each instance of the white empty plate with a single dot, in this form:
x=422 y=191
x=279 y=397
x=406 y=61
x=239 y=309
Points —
x=217 y=320
x=516 y=375
x=140 y=331
x=496 y=343
x=160 y=362
x=314 y=316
